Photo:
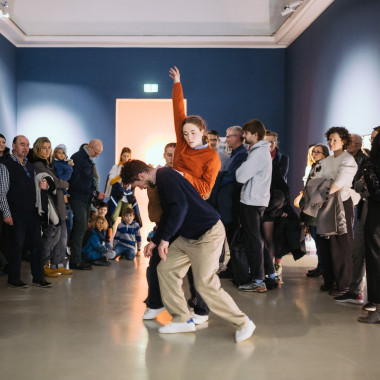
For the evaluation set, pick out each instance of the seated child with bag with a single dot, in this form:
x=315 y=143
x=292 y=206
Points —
x=95 y=249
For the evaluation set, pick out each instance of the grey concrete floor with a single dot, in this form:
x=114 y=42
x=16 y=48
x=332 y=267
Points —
x=89 y=326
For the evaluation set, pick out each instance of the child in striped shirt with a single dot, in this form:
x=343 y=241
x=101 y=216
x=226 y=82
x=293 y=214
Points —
x=127 y=235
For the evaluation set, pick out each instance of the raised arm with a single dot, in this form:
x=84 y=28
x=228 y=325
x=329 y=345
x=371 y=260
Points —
x=175 y=75
x=178 y=103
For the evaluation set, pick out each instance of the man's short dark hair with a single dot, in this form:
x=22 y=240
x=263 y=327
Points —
x=255 y=126
x=102 y=204
x=213 y=132
x=170 y=145
x=131 y=170
x=377 y=129
x=15 y=139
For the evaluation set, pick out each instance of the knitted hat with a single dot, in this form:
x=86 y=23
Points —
x=63 y=147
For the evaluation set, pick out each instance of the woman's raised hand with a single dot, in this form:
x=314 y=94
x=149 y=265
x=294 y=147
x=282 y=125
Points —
x=174 y=74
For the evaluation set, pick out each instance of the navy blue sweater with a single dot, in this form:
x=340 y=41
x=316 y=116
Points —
x=22 y=190
x=82 y=180
x=185 y=213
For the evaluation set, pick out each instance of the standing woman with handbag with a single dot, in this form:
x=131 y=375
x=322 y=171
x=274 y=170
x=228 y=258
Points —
x=336 y=251
x=54 y=236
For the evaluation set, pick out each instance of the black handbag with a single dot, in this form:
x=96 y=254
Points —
x=239 y=260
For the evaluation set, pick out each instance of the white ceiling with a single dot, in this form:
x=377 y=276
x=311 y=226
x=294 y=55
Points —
x=157 y=23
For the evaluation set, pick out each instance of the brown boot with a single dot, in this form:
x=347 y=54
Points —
x=63 y=270
x=48 y=272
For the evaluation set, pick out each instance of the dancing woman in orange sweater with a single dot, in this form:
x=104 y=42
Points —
x=200 y=165
x=193 y=158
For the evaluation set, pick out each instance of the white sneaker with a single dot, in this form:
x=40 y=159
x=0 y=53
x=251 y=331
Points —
x=245 y=332
x=177 y=327
x=199 y=319
x=152 y=313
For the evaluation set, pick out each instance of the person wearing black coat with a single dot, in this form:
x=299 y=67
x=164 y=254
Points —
x=83 y=186
x=372 y=231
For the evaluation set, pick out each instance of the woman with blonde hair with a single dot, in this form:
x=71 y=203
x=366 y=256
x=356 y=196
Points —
x=120 y=196
x=54 y=232
x=316 y=153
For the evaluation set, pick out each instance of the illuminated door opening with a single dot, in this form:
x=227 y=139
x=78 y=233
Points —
x=145 y=126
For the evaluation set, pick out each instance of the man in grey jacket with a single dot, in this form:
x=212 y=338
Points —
x=255 y=174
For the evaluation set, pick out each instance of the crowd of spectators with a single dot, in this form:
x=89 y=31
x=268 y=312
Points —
x=54 y=213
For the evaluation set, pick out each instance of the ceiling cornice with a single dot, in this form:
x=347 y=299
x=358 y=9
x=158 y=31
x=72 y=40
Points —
x=299 y=21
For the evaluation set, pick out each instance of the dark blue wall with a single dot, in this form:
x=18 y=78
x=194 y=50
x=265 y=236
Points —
x=225 y=86
x=332 y=78
x=7 y=89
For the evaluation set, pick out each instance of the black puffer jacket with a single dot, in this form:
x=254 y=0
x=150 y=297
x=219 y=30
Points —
x=372 y=180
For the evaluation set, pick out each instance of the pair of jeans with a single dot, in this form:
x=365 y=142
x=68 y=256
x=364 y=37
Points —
x=50 y=237
x=69 y=223
x=122 y=250
x=26 y=226
x=153 y=300
x=59 y=251
x=358 y=253
x=251 y=218
x=313 y=233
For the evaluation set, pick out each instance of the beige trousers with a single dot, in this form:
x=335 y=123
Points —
x=203 y=256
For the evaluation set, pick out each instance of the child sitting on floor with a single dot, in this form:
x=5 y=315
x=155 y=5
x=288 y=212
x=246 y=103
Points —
x=103 y=211
x=95 y=249
x=127 y=234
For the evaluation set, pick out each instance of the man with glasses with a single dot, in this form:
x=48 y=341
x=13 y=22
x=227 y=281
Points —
x=18 y=205
x=213 y=142
x=355 y=149
x=225 y=194
x=84 y=184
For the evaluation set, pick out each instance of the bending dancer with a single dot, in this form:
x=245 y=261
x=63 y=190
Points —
x=200 y=238
x=153 y=301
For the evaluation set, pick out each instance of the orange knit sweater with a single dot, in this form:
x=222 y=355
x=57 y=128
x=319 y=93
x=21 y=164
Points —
x=199 y=166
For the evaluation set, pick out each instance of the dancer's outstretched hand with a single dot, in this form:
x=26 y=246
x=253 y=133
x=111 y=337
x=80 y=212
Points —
x=175 y=75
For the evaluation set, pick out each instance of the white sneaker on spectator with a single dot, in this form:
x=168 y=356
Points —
x=245 y=331
x=152 y=313
x=177 y=327
x=199 y=319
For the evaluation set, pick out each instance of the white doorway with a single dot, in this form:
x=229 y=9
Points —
x=145 y=126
